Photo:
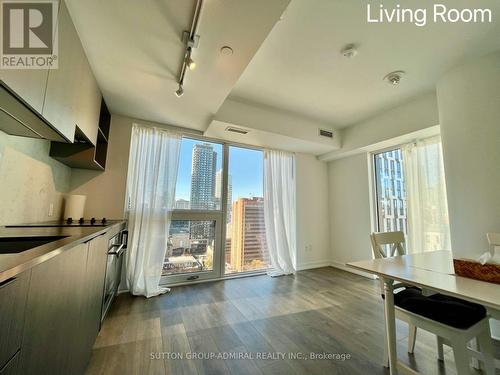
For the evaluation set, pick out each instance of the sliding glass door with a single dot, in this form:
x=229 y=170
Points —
x=217 y=225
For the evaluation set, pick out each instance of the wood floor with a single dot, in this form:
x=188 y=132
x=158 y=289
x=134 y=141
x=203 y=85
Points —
x=321 y=311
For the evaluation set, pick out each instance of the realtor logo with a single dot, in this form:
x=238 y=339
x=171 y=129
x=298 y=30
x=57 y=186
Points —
x=29 y=39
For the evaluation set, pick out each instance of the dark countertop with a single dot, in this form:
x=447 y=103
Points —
x=13 y=264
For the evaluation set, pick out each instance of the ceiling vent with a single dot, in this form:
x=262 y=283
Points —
x=236 y=130
x=325 y=133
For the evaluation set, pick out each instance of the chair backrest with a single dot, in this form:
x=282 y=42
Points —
x=493 y=240
x=395 y=240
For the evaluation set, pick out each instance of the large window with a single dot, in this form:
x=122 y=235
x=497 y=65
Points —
x=216 y=196
x=411 y=194
x=390 y=191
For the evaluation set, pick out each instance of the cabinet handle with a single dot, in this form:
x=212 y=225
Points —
x=7 y=282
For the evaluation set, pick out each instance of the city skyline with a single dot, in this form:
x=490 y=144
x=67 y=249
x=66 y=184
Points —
x=241 y=160
x=191 y=242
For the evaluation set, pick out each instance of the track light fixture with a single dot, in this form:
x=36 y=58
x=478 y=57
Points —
x=191 y=40
x=180 y=91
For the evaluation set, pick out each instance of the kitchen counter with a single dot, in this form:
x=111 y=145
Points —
x=13 y=264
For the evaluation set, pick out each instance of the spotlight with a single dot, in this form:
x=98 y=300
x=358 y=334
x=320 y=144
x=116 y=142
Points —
x=179 y=92
x=190 y=63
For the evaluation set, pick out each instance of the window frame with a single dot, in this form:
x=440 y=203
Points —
x=219 y=216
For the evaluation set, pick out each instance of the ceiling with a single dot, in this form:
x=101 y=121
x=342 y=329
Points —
x=135 y=50
x=299 y=67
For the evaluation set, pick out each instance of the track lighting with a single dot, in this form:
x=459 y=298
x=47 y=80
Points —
x=179 y=92
x=191 y=39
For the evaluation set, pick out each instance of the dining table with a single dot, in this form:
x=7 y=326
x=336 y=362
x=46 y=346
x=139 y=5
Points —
x=432 y=272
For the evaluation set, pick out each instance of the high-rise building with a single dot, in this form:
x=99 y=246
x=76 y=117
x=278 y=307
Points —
x=391 y=191
x=248 y=237
x=218 y=193
x=203 y=170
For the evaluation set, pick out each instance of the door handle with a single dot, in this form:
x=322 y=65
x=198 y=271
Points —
x=193 y=277
x=118 y=251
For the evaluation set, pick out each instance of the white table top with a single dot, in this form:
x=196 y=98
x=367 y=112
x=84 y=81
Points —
x=433 y=270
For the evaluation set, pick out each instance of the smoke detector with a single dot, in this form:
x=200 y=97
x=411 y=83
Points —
x=226 y=51
x=394 y=78
x=349 y=51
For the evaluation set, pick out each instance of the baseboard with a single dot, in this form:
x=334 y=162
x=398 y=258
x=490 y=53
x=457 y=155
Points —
x=343 y=267
x=314 y=264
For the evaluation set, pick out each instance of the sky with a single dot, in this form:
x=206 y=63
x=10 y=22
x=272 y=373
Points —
x=245 y=168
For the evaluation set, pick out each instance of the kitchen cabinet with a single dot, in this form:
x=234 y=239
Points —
x=83 y=154
x=63 y=311
x=13 y=294
x=88 y=104
x=94 y=287
x=66 y=103
x=61 y=96
x=52 y=332
x=28 y=84
x=72 y=97
x=12 y=367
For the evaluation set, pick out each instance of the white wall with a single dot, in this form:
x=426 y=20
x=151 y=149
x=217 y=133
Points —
x=349 y=206
x=313 y=242
x=30 y=181
x=469 y=110
x=348 y=174
x=105 y=191
x=469 y=105
x=411 y=118
x=272 y=128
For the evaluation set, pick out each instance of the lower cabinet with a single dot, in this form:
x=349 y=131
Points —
x=90 y=317
x=50 y=342
x=63 y=310
x=13 y=294
x=12 y=367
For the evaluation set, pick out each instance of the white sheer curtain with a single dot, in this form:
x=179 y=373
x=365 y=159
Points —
x=428 y=225
x=279 y=211
x=152 y=174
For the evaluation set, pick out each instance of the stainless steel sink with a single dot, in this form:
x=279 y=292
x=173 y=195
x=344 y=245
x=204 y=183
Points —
x=15 y=245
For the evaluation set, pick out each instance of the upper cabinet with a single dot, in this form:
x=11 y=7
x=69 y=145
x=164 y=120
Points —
x=29 y=84
x=88 y=102
x=62 y=104
x=72 y=97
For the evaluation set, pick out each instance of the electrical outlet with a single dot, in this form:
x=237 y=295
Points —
x=51 y=209
x=308 y=248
